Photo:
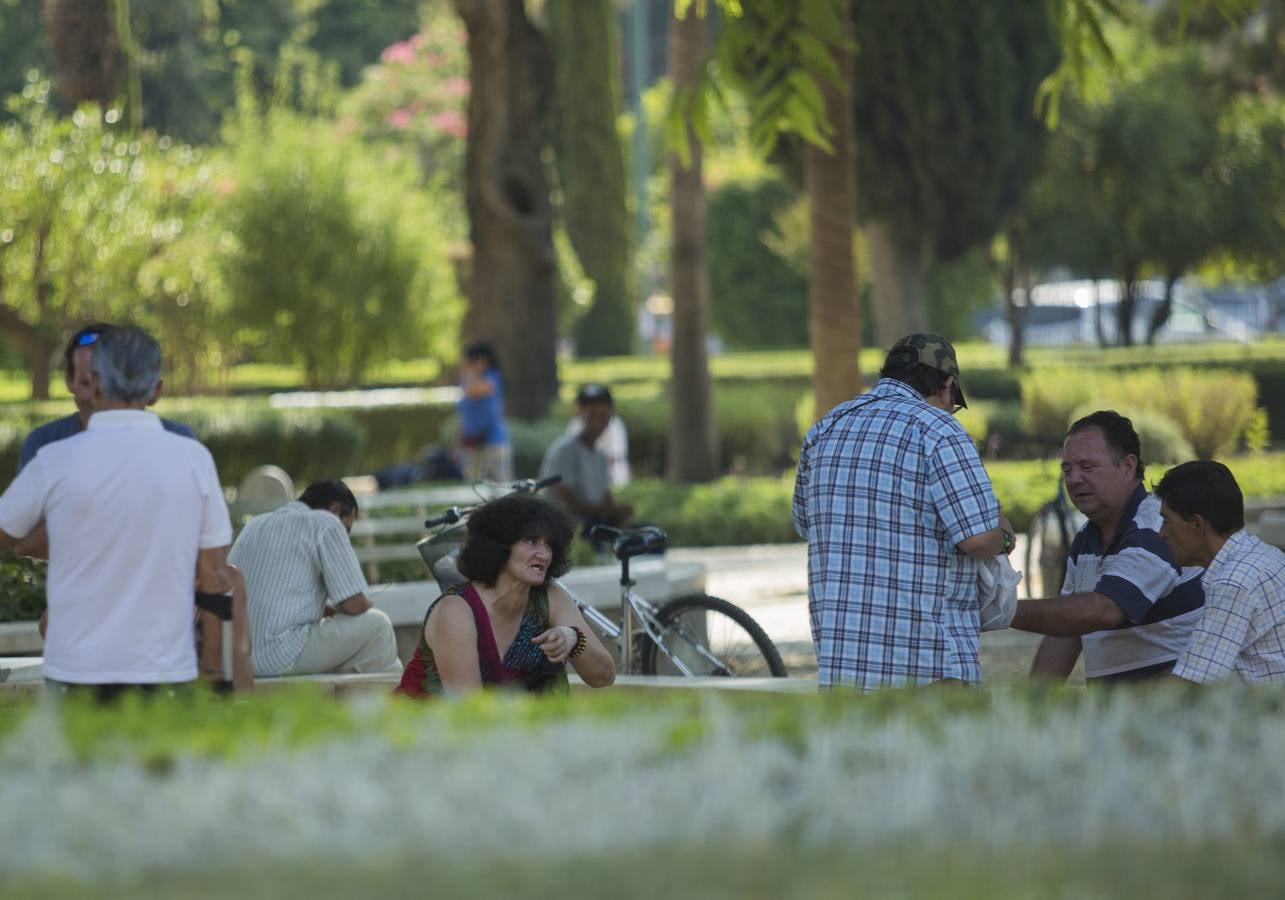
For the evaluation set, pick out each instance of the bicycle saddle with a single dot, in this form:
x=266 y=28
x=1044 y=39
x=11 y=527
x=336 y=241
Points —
x=635 y=542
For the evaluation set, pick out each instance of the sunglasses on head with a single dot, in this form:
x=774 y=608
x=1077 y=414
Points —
x=89 y=337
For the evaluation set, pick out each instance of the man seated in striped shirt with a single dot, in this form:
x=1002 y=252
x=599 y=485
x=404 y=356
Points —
x=1242 y=632
x=306 y=593
x=1125 y=602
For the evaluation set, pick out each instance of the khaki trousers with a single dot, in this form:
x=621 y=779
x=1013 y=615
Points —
x=362 y=643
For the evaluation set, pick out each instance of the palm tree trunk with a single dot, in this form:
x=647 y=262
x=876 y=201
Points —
x=693 y=445
x=834 y=304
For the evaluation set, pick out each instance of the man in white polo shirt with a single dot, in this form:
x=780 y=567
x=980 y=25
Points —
x=306 y=594
x=134 y=514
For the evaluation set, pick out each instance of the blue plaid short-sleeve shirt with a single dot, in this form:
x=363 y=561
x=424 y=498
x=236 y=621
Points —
x=887 y=485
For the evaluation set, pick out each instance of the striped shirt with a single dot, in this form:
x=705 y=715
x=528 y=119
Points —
x=1161 y=602
x=1243 y=628
x=294 y=560
x=887 y=486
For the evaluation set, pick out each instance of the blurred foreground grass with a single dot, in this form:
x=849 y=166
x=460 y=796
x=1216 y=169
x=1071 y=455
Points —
x=1012 y=793
x=714 y=872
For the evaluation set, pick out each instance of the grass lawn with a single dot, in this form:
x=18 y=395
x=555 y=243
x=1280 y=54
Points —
x=15 y=385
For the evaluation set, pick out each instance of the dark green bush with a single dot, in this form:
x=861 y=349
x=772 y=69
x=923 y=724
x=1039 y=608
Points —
x=729 y=511
x=757 y=429
x=22 y=588
x=395 y=434
x=757 y=300
x=309 y=445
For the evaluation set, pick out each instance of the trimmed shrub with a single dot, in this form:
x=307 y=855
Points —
x=729 y=511
x=396 y=434
x=1213 y=408
x=307 y=444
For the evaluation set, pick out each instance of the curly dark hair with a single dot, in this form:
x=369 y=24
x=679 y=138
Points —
x=493 y=529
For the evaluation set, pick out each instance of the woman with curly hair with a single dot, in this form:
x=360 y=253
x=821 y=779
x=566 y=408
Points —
x=507 y=625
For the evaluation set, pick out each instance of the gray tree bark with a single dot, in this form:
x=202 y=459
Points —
x=693 y=443
x=512 y=280
x=899 y=269
x=834 y=303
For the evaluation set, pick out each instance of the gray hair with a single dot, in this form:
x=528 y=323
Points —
x=127 y=362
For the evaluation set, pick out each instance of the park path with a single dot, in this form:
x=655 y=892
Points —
x=770 y=581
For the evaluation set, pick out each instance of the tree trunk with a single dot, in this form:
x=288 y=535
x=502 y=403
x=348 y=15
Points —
x=591 y=167
x=1124 y=309
x=1164 y=310
x=86 y=51
x=1098 y=328
x=834 y=303
x=693 y=445
x=1015 y=312
x=512 y=291
x=899 y=269
x=37 y=349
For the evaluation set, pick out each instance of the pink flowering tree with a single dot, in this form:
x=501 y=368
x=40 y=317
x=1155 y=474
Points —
x=416 y=97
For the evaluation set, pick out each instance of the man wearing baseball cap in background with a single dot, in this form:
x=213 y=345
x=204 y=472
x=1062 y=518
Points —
x=896 y=508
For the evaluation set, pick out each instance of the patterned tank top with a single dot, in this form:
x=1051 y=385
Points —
x=524 y=665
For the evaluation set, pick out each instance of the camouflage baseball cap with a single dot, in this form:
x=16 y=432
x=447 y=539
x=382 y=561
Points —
x=930 y=350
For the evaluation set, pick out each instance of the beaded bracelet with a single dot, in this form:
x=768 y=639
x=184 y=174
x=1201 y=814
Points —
x=581 y=642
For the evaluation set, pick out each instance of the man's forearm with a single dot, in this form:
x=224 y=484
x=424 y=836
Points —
x=1068 y=616
x=34 y=545
x=1055 y=658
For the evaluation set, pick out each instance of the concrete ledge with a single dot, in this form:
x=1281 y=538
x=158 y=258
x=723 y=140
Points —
x=17 y=638
x=20 y=669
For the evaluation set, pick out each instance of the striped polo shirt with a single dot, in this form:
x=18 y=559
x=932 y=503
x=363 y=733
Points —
x=294 y=559
x=1161 y=601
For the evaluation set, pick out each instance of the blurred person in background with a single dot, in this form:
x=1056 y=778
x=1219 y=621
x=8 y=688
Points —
x=482 y=436
x=78 y=359
x=585 y=488
x=613 y=443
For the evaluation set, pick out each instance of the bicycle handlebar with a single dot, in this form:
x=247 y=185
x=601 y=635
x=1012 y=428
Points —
x=455 y=513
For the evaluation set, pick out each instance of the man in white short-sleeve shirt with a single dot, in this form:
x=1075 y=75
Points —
x=135 y=515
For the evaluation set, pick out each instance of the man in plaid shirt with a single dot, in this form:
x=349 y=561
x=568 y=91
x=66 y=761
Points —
x=895 y=506
x=1242 y=631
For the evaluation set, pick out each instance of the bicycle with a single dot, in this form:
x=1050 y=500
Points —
x=1048 y=542
x=693 y=636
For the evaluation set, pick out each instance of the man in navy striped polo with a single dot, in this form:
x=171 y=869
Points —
x=1125 y=602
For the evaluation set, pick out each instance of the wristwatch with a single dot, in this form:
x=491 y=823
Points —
x=1010 y=541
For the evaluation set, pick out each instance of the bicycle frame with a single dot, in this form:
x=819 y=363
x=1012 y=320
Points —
x=634 y=605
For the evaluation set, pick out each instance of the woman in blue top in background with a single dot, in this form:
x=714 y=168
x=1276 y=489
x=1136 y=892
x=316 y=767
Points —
x=482 y=437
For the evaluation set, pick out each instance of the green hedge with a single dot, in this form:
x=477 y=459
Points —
x=1215 y=409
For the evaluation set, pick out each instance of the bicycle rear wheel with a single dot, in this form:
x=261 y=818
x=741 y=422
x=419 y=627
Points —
x=711 y=637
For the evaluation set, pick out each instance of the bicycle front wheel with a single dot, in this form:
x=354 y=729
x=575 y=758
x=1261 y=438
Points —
x=711 y=637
